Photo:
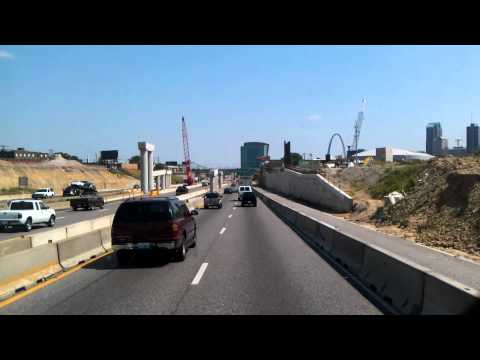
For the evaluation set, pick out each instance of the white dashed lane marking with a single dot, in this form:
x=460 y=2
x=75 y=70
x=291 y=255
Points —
x=200 y=273
x=223 y=230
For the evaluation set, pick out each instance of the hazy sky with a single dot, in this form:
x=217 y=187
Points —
x=83 y=99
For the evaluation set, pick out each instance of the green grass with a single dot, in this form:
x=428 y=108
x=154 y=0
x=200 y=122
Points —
x=401 y=178
x=16 y=190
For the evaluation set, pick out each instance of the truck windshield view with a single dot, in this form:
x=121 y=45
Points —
x=252 y=179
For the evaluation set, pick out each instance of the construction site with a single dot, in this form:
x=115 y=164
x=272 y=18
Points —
x=432 y=200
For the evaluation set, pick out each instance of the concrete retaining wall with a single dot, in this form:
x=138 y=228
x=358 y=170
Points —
x=311 y=188
x=403 y=286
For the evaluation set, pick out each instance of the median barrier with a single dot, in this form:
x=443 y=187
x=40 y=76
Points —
x=79 y=228
x=324 y=236
x=289 y=215
x=307 y=225
x=50 y=236
x=442 y=296
x=24 y=269
x=106 y=238
x=80 y=248
x=348 y=251
x=14 y=245
x=396 y=280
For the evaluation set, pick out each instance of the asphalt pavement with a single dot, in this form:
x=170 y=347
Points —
x=247 y=261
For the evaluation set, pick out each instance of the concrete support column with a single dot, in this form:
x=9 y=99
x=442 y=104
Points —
x=146 y=166
x=144 y=170
x=150 y=170
x=158 y=182
x=162 y=179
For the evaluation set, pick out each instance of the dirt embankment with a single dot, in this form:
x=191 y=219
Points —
x=58 y=174
x=441 y=208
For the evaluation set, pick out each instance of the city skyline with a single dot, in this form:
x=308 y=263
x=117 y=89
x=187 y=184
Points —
x=232 y=95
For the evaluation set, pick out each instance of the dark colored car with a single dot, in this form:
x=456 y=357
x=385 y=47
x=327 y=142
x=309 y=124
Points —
x=249 y=198
x=181 y=190
x=228 y=190
x=159 y=223
x=72 y=190
x=87 y=202
x=212 y=199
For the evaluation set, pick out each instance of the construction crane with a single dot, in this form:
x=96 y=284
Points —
x=186 y=154
x=357 y=128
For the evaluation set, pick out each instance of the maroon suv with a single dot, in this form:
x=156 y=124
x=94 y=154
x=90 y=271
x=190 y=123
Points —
x=154 y=223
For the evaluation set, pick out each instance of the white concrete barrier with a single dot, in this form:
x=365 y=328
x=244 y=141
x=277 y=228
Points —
x=444 y=296
x=24 y=269
x=14 y=245
x=50 y=236
x=78 y=249
x=325 y=236
x=396 y=280
x=348 y=251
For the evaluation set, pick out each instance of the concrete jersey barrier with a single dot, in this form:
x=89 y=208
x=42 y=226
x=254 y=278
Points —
x=24 y=269
x=405 y=286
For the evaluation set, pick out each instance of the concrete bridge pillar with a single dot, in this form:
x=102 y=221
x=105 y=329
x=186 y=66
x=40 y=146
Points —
x=146 y=166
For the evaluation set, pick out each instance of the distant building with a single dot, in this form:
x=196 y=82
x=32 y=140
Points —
x=396 y=154
x=20 y=154
x=473 y=138
x=252 y=154
x=434 y=139
x=384 y=154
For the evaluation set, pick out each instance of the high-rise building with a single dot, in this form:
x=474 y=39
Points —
x=434 y=139
x=250 y=156
x=473 y=138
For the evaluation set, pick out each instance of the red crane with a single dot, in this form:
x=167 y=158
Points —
x=186 y=154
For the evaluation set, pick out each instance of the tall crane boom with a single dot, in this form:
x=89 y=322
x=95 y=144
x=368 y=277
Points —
x=186 y=153
x=358 y=127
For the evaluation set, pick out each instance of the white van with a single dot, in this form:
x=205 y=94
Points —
x=242 y=189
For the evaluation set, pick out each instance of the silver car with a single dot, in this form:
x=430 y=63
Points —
x=212 y=199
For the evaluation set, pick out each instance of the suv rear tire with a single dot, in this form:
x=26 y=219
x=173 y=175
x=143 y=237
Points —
x=181 y=253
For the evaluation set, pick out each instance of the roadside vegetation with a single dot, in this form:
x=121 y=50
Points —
x=16 y=190
x=401 y=178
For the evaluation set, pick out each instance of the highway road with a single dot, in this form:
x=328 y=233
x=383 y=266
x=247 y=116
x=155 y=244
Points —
x=68 y=216
x=247 y=261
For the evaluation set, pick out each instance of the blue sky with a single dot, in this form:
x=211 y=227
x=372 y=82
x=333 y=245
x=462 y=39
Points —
x=83 y=99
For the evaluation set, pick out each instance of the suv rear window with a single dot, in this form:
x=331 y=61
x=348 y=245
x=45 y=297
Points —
x=21 y=205
x=211 y=196
x=141 y=212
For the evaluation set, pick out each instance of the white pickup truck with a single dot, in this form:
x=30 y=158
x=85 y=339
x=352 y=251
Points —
x=43 y=193
x=25 y=213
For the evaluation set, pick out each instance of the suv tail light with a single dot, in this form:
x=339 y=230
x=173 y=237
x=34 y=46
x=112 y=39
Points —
x=174 y=228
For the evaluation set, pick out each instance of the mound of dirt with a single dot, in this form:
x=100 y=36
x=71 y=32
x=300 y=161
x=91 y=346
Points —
x=443 y=208
x=59 y=173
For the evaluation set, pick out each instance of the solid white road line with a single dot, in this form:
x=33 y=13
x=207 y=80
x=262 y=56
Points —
x=199 y=275
x=222 y=231
x=62 y=217
x=229 y=216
